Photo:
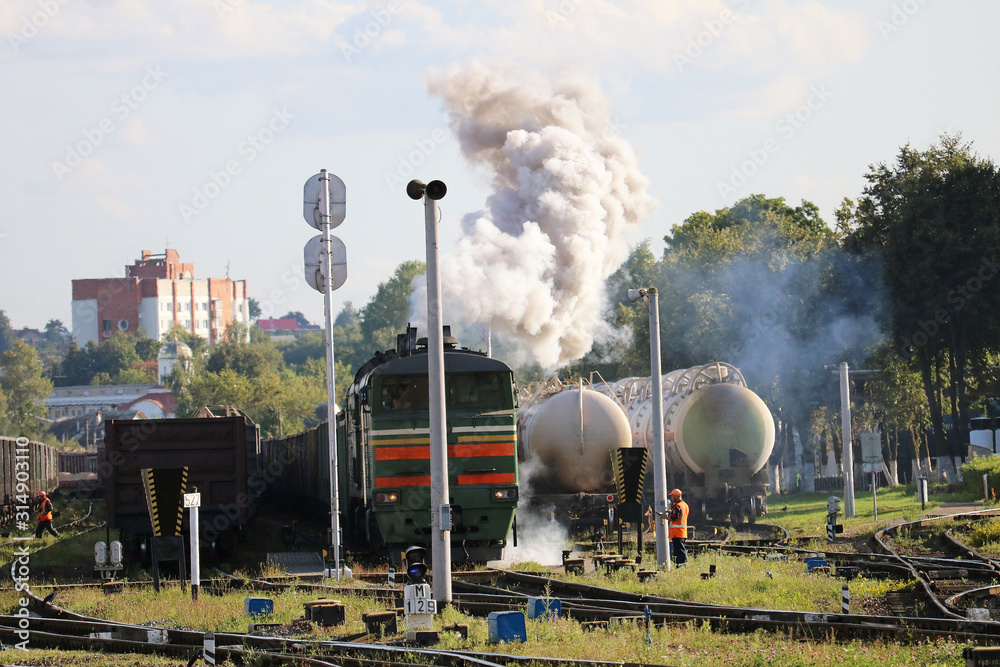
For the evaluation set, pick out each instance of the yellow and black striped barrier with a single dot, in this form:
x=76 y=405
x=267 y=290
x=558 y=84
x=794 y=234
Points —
x=164 y=498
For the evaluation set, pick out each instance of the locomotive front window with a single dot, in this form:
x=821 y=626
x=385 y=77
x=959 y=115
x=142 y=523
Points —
x=404 y=392
x=473 y=391
x=464 y=391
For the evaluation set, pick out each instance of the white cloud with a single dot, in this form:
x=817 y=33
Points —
x=183 y=29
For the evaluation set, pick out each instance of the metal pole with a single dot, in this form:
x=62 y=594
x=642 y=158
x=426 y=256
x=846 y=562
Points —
x=195 y=555
x=848 y=458
x=331 y=396
x=659 y=457
x=874 y=496
x=440 y=509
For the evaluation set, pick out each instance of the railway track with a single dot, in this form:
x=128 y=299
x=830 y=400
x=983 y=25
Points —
x=53 y=627
x=947 y=571
x=480 y=593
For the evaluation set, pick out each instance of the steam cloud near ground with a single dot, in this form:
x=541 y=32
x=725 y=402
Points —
x=540 y=538
x=566 y=191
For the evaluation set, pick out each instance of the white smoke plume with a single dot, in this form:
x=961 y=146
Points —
x=566 y=191
x=540 y=537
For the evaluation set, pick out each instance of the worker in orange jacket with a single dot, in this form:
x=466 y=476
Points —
x=678 y=527
x=45 y=517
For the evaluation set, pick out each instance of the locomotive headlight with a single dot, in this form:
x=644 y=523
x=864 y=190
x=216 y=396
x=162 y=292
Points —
x=386 y=497
x=501 y=493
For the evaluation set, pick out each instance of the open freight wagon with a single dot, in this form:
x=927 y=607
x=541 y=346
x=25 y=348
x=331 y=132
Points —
x=221 y=454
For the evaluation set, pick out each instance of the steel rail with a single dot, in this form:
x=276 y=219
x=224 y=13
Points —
x=919 y=565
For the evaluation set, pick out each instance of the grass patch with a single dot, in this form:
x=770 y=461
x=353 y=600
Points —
x=681 y=645
x=804 y=514
x=82 y=659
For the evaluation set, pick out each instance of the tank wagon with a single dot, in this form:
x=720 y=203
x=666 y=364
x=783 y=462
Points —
x=221 y=454
x=383 y=443
x=568 y=432
x=718 y=436
x=32 y=464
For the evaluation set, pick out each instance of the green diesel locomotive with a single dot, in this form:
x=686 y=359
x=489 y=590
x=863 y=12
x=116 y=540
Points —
x=383 y=443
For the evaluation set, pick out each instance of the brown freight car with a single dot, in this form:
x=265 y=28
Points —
x=221 y=456
x=33 y=464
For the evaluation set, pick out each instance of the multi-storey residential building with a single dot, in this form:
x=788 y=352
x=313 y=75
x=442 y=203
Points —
x=158 y=292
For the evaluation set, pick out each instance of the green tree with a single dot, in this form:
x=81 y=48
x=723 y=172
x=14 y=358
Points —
x=933 y=219
x=386 y=313
x=897 y=399
x=118 y=354
x=253 y=359
x=765 y=286
x=23 y=390
x=253 y=306
x=6 y=333
x=310 y=345
x=253 y=376
x=299 y=318
x=55 y=331
x=348 y=315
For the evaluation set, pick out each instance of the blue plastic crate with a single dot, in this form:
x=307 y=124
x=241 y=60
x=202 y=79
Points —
x=816 y=561
x=544 y=607
x=258 y=606
x=507 y=626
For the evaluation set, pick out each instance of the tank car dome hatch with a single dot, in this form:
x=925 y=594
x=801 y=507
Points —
x=572 y=433
x=724 y=425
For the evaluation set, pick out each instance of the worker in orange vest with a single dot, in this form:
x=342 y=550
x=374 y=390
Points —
x=678 y=527
x=45 y=517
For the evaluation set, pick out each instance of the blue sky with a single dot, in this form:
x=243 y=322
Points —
x=130 y=125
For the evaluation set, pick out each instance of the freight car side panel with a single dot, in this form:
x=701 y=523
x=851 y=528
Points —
x=38 y=471
x=220 y=453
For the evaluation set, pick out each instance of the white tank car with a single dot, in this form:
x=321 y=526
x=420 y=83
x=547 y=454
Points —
x=713 y=425
x=571 y=430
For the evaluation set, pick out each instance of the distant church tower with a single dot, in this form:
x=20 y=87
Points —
x=171 y=353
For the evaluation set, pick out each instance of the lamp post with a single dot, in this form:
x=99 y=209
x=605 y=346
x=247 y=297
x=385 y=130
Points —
x=659 y=469
x=439 y=505
x=848 y=456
